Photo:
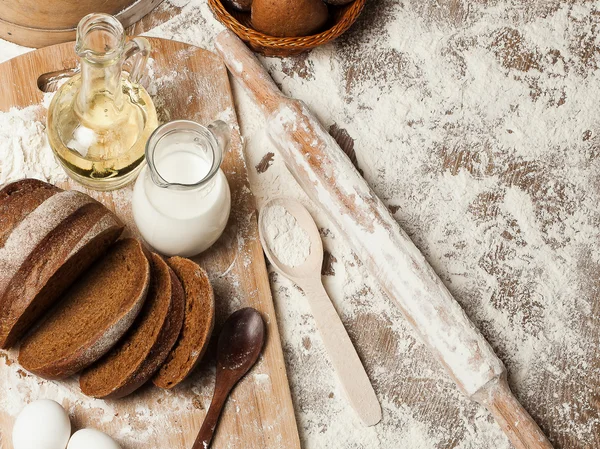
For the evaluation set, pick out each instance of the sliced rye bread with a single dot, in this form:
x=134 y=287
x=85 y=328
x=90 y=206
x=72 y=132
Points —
x=197 y=324
x=137 y=357
x=92 y=316
x=57 y=236
x=19 y=199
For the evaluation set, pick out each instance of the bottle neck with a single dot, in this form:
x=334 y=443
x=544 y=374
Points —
x=100 y=46
x=100 y=80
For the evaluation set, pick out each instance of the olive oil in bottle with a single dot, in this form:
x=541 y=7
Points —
x=100 y=120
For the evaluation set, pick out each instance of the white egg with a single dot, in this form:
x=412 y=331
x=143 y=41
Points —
x=91 y=439
x=42 y=424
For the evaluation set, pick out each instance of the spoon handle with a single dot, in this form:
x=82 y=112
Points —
x=207 y=431
x=342 y=354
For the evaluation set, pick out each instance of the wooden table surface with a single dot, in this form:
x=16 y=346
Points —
x=490 y=161
x=554 y=372
x=521 y=258
x=259 y=412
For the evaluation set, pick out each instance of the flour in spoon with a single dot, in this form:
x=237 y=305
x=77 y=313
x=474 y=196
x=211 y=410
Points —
x=288 y=241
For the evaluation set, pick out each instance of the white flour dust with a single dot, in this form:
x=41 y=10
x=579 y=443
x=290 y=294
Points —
x=24 y=148
x=288 y=241
x=477 y=125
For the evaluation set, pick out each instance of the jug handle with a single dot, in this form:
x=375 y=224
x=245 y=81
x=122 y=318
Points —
x=222 y=133
x=138 y=49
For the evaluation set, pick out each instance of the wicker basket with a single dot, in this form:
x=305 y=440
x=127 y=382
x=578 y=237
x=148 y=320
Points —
x=342 y=17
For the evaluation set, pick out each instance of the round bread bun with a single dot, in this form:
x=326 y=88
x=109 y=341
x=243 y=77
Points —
x=284 y=18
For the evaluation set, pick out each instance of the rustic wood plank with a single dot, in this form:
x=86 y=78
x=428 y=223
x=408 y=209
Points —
x=260 y=414
x=31 y=25
x=568 y=410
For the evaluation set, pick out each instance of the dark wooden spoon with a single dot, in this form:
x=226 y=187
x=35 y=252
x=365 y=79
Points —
x=240 y=343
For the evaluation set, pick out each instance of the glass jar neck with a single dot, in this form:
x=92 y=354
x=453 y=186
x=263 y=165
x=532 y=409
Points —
x=105 y=81
x=100 y=46
x=185 y=156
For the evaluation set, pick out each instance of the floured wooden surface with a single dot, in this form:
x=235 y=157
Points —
x=185 y=82
x=497 y=185
x=476 y=123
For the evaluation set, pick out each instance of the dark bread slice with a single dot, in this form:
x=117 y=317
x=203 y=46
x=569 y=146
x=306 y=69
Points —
x=197 y=324
x=93 y=315
x=23 y=186
x=135 y=359
x=53 y=266
x=46 y=251
x=19 y=199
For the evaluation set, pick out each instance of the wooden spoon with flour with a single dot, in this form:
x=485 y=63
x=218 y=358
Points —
x=331 y=181
x=292 y=243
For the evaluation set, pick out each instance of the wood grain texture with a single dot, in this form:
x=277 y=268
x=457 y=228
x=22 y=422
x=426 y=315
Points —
x=341 y=352
x=38 y=24
x=514 y=420
x=260 y=414
x=348 y=367
x=330 y=179
x=403 y=371
x=56 y=14
x=558 y=384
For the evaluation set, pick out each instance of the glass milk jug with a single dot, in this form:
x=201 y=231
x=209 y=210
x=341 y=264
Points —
x=181 y=200
x=99 y=120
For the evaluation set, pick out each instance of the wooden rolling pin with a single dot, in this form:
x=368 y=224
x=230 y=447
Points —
x=331 y=181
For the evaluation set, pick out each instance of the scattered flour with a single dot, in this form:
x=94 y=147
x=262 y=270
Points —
x=10 y=50
x=476 y=127
x=24 y=148
x=288 y=241
x=262 y=378
x=477 y=124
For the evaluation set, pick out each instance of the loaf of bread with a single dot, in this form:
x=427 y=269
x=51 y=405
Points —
x=19 y=199
x=48 y=237
x=197 y=324
x=282 y=18
x=95 y=312
x=122 y=315
x=138 y=355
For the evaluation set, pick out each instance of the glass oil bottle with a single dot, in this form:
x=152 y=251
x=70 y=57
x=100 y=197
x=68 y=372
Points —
x=100 y=120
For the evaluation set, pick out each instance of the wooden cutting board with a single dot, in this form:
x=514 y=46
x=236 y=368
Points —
x=190 y=83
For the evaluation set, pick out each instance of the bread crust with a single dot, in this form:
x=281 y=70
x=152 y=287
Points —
x=18 y=199
x=56 y=237
x=197 y=325
x=54 y=331
x=281 y=18
x=94 y=381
